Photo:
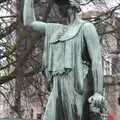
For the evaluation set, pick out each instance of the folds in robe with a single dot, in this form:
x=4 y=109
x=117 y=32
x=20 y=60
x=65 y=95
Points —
x=63 y=53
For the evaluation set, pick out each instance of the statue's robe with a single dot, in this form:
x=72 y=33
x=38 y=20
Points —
x=67 y=63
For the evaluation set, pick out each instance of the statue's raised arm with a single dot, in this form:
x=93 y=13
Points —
x=29 y=17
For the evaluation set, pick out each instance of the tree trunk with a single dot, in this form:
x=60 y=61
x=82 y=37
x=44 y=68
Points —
x=19 y=54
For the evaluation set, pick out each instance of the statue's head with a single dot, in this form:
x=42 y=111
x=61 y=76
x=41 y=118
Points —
x=64 y=5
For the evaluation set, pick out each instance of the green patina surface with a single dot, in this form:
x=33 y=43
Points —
x=72 y=62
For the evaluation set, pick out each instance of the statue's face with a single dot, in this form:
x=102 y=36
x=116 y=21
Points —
x=65 y=7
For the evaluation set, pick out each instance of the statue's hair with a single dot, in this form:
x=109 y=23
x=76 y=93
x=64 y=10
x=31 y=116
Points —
x=60 y=2
x=67 y=3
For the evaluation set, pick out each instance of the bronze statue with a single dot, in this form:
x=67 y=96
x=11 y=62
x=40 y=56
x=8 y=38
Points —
x=72 y=61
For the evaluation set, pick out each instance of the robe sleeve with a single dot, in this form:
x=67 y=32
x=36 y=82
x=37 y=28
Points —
x=94 y=51
x=50 y=28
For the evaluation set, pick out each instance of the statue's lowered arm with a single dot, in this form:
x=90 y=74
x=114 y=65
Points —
x=29 y=17
x=93 y=46
x=98 y=105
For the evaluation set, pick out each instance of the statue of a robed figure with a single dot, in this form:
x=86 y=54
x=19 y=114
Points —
x=72 y=61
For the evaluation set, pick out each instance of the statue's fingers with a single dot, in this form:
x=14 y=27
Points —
x=101 y=100
x=90 y=99
x=97 y=98
x=98 y=101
